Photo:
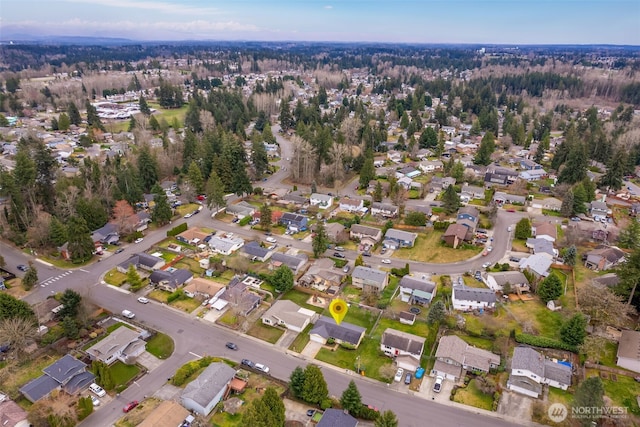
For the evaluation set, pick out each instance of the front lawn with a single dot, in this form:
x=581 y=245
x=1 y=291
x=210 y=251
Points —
x=266 y=333
x=186 y=304
x=472 y=396
x=301 y=340
x=115 y=278
x=430 y=248
x=121 y=374
x=160 y=345
x=370 y=361
x=24 y=372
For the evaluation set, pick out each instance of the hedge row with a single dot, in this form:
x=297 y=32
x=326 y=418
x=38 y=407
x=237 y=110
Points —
x=544 y=342
x=177 y=229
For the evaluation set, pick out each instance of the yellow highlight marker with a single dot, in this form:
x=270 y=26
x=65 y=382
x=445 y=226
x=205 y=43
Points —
x=338 y=310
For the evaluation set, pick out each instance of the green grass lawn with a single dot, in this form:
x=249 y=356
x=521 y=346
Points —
x=186 y=304
x=483 y=343
x=25 y=372
x=360 y=317
x=159 y=295
x=547 y=323
x=169 y=114
x=122 y=373
x=301 y=298
x=115 y=278
x=160 y=345
x=429 y=248
x=301 y=340
x=622 y=392
x=472 y=396
x=266 y=333
x=371 y=358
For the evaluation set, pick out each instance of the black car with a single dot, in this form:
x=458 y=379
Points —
x=338 y=255
x=196 y=212
x=514 y=259
x=23 y=267
x=311 y=412
x=247 y=362
x=232 y=346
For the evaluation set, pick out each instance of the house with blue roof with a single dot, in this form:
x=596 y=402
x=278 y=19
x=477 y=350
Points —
x=67 y=374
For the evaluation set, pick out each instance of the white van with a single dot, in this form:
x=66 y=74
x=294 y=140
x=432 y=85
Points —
x=128 y=314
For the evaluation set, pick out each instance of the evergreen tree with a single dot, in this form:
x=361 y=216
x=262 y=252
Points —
x=194 y=176
x=274 y=404
x=386 y=419
x=70 y=327
x=457 y=171
x=550 y=288
x=63 y=122
x=487 y=147
x=215 y=192
x=539 y=153
x=436 y=312
x=80 y=244
x=74 y=114
x=523 y=229
x=570 y=254
x=30 y=278
x=320 y=240
x=428 y=138
x=574 y=330
x=259 y=158
x=258 y=414
x=144 y=107
x=296 y=380
x=286 y=119
x=351 y=400
x=315 y=388
x=377 y=192
x=615 y=171
x=368 y=171
x=147 y=169
x=267 y=134
x=566 y=209
x=133 y=278
x=93 y=120
x=282 y=279
x=589 y=394
x=265 y=217
x=11 y=307
x=450 y=200
x=575 y=168
x=579 y=199
x=54 y=124
x=70 y=301
x=161 y=211
x=629 y=237
x=132 y=124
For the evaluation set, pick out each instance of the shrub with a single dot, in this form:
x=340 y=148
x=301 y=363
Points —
x=177 y=229
x=544 y=342
x=326 y=404
x=244 y=221
x=367 y=413
x=85 y=408
x=347 y=346
x=331 y=341
x=177 y=295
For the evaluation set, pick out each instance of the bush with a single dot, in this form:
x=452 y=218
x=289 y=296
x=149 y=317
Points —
x=544 y=342
x=244 y=221
x=177 y=229
x=330 y=341
x=347 y=346
x=367 y=413
x=326 y=404
x=177 y=295
x=85 y=408
x=185 y=371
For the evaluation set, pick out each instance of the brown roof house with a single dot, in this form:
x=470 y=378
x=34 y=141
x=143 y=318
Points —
x=455 y=235
x=168 y=414
x=604 y=258
x=12 y=415
x=406 y=348
x=454 y=355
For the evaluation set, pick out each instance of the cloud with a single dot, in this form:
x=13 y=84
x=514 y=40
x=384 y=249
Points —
x=156 y=6
x=328 y=6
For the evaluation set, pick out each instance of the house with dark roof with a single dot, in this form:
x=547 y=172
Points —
x=530 y=370
x=598 y=209
x=170 y=280
x=238 y=294
x=322 y=275
x=207 y=390
x=337 y=418
x=542 y=247
x=294 y=198
x=417 y=291
x=336 y=232
x=366 y=234
x=466 y=298
x=471 y=192
x=396 y=239
x=294 y=221
x=454 y=355
x=628 y=355
x=67 y=374
x=106 y=235
x=123 y=344
x=255 y=252
x=370 y=280
x=500 y=198
x=455 y=234
x=325 y=328
x=604 y=258
x=491 y=179
x=608 y=280
x=294 y=262
x=141 y=261
x=384 y=210
x=438 y=184
x=406 y=348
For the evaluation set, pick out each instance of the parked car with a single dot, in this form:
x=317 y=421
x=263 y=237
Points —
x=128 y=314
x=338 y=255
x=188 y=215
x=95 y=400
x=261 y=367
x=486 y=265
x=311 y=412
x=119 y=250
x=138 y=240
x=339 y=249
x=247 y=362
x=509 y=229
x=22 y=267
x=143 y=300
x=575 y=218
x=366 y=253
x=386 y=261
x=407 y=378
x=231 y=346
x=437 y=386
x=514 y=259
x=97 y=390
x=129 y=406
x=345 y=269
x=271 y=239
x=399 y=375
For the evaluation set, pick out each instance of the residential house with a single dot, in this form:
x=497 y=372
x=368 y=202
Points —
x=545 y=230
x=370 y=280
x=396 y=239
x=469 y=217
x=394 y=156
x=542 y=247
x=628 y=355
x=294 y=221
x=200 y=286
x=225 y=243
x=384 y=210
x=418 y=291
x=322 y=275
x=294 y=198
x=170 y=280
x=366 y=235
x=471 y=192
x=600 y=235
x=454 y=355
x=425 y=209
x=11 y=414
x=538 y=264
x=294 y=262
x=608 y=280
x=238 y=295
x=106 y=235
x=491 y=179
x=406 y=348
x=337 y=418
x=141 y=261
x=322 y=201
x=167 y=414
x=465 y=298
x=549 y=203
x=203 y=393
x=533 y=175
x=455 y=234
x=46 y=310
x=123 y=344
x=289 y=315
x=193 y=236
x=428 y=166
x=530 y=370
x=255 y=252
x=67 y=374
x=604 y=258
x=516 y=279
x=529 y=165
x=439 y=184
x=241 y=209
x=351 y=205
x=345 y=332
x=407 y=172
x=598 y=209
x=500 y=198
x=336 y=232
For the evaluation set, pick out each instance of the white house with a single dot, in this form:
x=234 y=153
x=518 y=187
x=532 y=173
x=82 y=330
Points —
x=496 y=281
x=406 y=348
x=123 y=344
x=351 y=205
x=417 y=290
x=288 y=314
x=430 y=165
x=629 y=351
x=203 y=394
x=322 y=201
x=225 y=244
x=466 y=299
x=531 y=370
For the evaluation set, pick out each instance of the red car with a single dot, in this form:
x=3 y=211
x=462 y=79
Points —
x=129 y=406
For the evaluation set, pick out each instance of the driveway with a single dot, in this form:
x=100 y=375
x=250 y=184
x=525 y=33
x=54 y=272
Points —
x=149 y=361
x=515 y=405
x=311 y=349
x=426 y=390
x=286 y=339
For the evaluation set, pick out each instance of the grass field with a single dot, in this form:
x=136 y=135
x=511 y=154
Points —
x=301 y=340
x=122 y=374
x=160 y=345
x=430 y=248
x=301 y=298
x=23 y=373
x=545 y=322
x=265 y=333
x=115 y=278
x=472 y=396
x=171 y=114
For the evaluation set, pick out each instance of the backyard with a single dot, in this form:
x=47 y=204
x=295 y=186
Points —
x=430 y=248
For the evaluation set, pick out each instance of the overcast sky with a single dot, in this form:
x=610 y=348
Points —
x=412 y=21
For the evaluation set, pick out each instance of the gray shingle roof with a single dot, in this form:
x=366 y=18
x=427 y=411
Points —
x=369 y=274
x=254 y=249
x=465 y=293
x=403 y=341
x=392 y=233
x=64 y=368
x=511 y=277
x=528 y=359
x=328 y=328
x=557 y=372
x=40 y=387
x=208 y=384
x=337 y=418
x=413 y=283
x=174 y=278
